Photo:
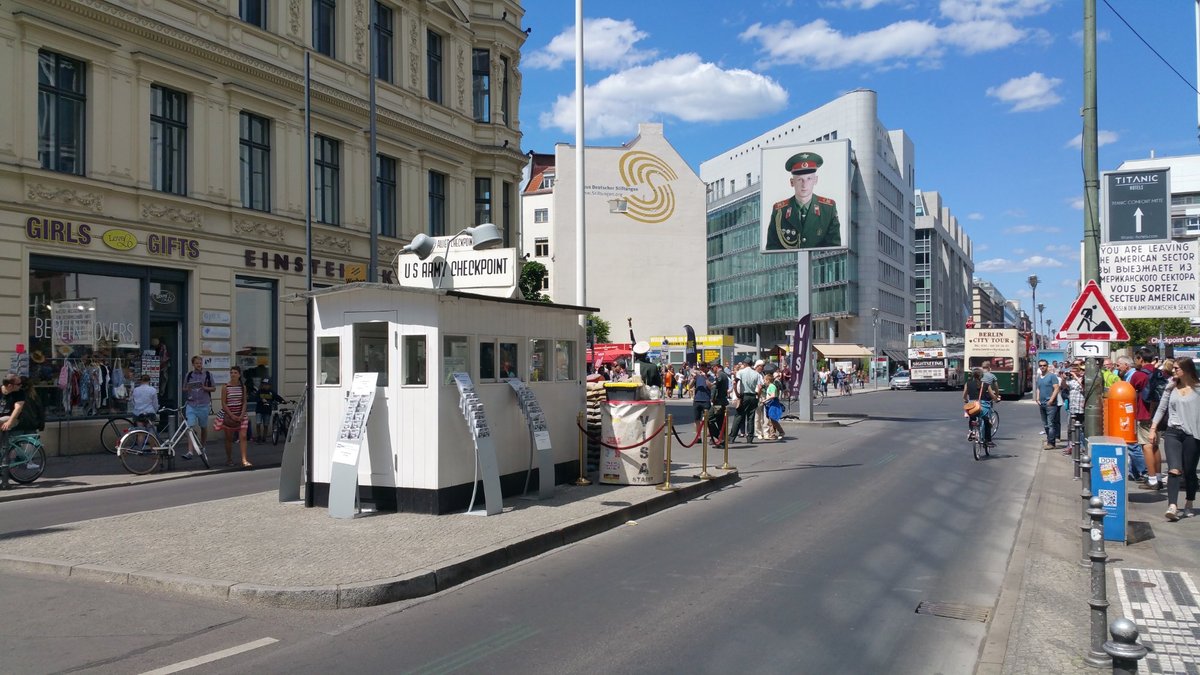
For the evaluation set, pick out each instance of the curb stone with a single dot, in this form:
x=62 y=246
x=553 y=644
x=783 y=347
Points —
x=415 y=584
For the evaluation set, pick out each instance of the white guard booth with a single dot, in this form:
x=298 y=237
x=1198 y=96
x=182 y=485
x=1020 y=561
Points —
x=419 y=455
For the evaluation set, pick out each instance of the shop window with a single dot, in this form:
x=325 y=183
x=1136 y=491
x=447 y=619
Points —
x=62 y=106
x=371 y=350
x=455 y=358
x=564 y=360
x=168 y=140
x=415 y=364
x=254 y=328
x=329 y=367
x=539 y=361
x=384 y=40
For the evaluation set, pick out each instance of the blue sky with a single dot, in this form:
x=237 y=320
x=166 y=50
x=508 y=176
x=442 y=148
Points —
x=989 y=90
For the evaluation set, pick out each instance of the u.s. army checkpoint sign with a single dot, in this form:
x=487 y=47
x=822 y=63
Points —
x=1136 y=206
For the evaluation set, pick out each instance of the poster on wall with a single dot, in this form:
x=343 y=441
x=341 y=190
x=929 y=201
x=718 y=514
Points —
x=73 y=324
x=806 y=197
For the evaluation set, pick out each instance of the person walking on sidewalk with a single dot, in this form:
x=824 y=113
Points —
x=1047 y=391
x=236 y=421
x=1180 y=405
x=198 y=388
x=747 y=381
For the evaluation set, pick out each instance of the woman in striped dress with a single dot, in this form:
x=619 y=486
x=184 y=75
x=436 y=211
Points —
x=237 y=422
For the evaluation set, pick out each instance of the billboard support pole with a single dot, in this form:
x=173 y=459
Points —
x=1092 y=413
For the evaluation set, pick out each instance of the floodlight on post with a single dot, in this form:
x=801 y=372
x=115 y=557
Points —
x=483 y=236
x=422 y=245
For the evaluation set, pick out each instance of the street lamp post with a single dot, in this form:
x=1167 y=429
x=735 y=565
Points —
x=1048 y=333
x=1033 y=282
x=875 y=345
x=1041 y=308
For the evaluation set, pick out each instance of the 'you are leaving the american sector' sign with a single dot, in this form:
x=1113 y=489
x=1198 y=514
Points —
x=1150 y=281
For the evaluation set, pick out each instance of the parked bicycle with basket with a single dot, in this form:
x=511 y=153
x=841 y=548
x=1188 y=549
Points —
x=21 y=456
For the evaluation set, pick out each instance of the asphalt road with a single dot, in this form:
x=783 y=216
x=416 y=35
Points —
x=814 y=563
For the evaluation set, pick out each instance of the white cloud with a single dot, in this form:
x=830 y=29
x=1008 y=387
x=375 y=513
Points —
x=1033 y=262
x=974 y=37
x=1033 y=92
x=1103 y=137
x=1029 y=229
x=975 y=215
x=607 y=44
x=995 y=10
x=855 y=4
x=1101 y=36
x=1072 y=284
x=1076 y=203
x=683 y=87
x=1068 y=251
x=819 y=45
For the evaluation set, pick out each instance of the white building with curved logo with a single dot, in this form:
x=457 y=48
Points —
x=645 y=233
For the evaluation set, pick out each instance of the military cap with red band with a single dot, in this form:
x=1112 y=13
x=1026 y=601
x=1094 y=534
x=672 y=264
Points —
x=804 y=162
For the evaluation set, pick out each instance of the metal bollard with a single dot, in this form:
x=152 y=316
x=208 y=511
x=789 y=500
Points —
x=666 y=487
x=1124 y=648
x=582 y=480
x=1099 y=586
x=1085 y=494
x=1077 y=448
x=725 y=435
x=704 y=474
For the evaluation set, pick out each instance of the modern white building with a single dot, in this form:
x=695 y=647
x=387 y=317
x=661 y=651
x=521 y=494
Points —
x=753 y=295
x=943 y=266
x=644 y=232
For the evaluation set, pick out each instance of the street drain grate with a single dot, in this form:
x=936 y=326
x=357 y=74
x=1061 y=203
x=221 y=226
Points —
x=1141 y=584
x=951 y=610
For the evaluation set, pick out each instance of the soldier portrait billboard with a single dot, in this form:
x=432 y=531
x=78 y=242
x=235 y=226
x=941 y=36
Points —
x=806 y=197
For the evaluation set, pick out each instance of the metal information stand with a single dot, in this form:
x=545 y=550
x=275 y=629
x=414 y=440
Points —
x=539 y=436
x=291 y=466
x=343 y=477
x=1110 y=462
x=485 y=450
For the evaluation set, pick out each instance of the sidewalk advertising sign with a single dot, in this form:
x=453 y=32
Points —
x=343 y=478
x=1109 y=466
x=539 y=432
x=1151 y=281
x=485 y=448
x=1136 y=206
x=801 y=339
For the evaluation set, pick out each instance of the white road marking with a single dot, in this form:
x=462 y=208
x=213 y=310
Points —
x=209 y=658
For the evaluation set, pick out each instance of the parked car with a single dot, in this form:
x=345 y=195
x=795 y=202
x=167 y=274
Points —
x=900 y=380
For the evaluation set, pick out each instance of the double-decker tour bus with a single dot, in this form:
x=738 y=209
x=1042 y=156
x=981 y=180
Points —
x=1007 y=351
x=934 y=361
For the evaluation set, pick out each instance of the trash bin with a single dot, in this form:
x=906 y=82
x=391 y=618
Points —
x=621 y=391
x=635 y=431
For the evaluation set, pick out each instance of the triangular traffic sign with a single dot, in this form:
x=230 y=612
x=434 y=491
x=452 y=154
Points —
x=1091 y=318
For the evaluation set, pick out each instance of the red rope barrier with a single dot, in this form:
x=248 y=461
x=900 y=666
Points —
x=686 y=445
x=623 y=447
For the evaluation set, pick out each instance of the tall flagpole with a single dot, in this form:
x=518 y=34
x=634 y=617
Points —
x=309 y=497
x=580 y=230
x=372 y=267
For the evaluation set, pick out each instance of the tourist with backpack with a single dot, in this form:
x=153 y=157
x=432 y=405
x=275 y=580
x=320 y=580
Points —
x=1149 y=382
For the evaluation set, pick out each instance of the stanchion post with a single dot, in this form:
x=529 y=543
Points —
x=1077 y=447
x=1085 y=495
x=704 y=474
x=582 y=480
x=670 y=430
x=1124 y=647
x=725 y=436
x=1098 y=602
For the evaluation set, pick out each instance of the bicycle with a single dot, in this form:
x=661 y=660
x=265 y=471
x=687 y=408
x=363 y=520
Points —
x=281 y=421
x=24 y=457
x=994 y=421
x=113 y=430
x=977 y=443
x=141 y=451
x=819 y=392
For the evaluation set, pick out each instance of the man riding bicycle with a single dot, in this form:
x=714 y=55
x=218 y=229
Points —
x=976 y=389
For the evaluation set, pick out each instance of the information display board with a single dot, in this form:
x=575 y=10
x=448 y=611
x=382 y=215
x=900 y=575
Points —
x=343 y=477
x=539 y=434
x=485 y=448
x=1109 y=464
x=1150 y=281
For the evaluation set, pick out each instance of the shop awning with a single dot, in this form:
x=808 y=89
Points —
x=896 y=355
x=836 y=351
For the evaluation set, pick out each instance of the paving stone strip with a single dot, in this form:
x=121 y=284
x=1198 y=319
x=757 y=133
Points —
x=1165 y=605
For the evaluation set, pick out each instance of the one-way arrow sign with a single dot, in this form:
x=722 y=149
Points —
x=1091 y=318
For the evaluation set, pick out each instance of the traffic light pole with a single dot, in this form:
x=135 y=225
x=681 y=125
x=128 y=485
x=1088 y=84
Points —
x=1093 y=421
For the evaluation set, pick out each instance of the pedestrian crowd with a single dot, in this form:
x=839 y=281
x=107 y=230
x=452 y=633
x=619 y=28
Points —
x=1167 y=416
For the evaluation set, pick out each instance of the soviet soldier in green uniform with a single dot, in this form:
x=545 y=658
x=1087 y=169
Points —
x=804 y=220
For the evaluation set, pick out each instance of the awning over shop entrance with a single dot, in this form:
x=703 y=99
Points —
x=896 y=355
x=836 y=351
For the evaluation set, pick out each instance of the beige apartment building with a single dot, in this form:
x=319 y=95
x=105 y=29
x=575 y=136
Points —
x=153 y=175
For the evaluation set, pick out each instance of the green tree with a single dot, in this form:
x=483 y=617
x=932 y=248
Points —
x=532 y=274
x=1145 y=331
x=601 y=328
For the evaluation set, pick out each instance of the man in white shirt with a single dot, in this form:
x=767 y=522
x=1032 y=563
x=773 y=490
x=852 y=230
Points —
x=145 y=402
x=747 y=381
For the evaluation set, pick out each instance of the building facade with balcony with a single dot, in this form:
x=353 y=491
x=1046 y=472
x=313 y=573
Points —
x=153 y=173
x=754 y=297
